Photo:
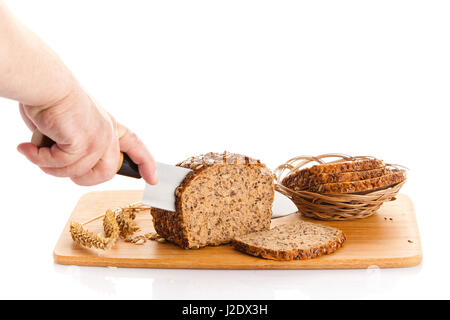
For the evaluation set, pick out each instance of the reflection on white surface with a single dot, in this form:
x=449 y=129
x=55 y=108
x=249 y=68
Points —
x=239 y=284
x=373 y=277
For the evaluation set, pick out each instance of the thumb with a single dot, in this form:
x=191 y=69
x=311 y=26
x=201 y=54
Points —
x=29 y=150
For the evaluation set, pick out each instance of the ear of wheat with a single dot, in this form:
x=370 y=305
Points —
x=116 y=223
x=86 y=238
x=125 y=218
x=111 y=228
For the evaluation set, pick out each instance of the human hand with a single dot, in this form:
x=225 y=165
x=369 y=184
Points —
x=87 y=139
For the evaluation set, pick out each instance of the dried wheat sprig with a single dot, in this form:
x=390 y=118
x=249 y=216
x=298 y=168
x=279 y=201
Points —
x=86 y=238
x=137 y=206
x=117 y=222
x=126 y=224
x=111 y=228
x=89 y=239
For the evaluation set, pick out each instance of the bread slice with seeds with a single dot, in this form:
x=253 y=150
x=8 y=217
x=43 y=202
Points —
x=346 y=166
x=385 y=181
x=299 y=240
x=298 y=182
x=295 y=178
x=226 y=195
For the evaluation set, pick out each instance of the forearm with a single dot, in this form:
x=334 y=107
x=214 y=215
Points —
x=87 y=139
x=30 y=72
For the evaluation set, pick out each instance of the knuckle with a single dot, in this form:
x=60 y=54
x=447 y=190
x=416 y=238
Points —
x=80 y=182
x=133 y=137
x=77 y=172
x=108 y=171
x=61 y=173
x=35 y=160
x=45 y=170
x=84 y=181
x=49 y=119
x=63 y=162
x=56 y=172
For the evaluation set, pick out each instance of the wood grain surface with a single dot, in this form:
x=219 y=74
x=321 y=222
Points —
x=387 y=239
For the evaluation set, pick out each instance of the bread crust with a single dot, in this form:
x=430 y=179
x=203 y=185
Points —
x=332 y=168
x=302 y=182
x=172 y=225
x=169 y=225
x=294 y=254
x=387 y=180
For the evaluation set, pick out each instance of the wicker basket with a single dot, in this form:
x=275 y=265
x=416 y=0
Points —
x=334 y=206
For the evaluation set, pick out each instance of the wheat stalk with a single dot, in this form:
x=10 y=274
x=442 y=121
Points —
x=89 y=239
x=118 y=222
x=86 y=238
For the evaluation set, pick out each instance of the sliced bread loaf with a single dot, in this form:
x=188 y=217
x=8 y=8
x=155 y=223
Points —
x=299 y=182
x=344 y=166
x=391 y=178
x=299 y=240
x=298 y=178
x=226 y=195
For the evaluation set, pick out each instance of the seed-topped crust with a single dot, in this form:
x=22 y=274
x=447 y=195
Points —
x=300 y=240
x=212 y=158
x=226 y=194
x=303 y=182
x=385 y=181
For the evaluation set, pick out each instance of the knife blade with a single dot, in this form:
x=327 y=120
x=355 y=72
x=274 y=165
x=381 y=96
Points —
x=162 y=195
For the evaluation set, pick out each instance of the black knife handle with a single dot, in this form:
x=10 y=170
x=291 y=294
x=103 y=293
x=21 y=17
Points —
x=126 y=166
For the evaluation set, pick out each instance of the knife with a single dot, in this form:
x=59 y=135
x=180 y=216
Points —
x=170 y=177
x=162 y=195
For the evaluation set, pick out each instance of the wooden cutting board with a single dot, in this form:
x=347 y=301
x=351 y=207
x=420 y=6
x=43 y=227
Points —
x=387 y=239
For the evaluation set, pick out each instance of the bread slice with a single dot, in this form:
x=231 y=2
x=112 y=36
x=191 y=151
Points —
x=299 y=240
x=385 y=181
x=332 y=168
x=226 y=195
x=298 y=182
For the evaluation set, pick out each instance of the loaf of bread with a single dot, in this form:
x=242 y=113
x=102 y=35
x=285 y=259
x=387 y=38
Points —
x=299 y=240
x=226 y=195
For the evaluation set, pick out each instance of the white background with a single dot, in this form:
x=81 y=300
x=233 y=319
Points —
x=271 y=79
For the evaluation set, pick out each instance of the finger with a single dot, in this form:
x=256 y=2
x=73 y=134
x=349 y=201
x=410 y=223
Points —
x=25 y=118
x=137 y=151
x=79 y=168
x=104 y=170
x=52 y=157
